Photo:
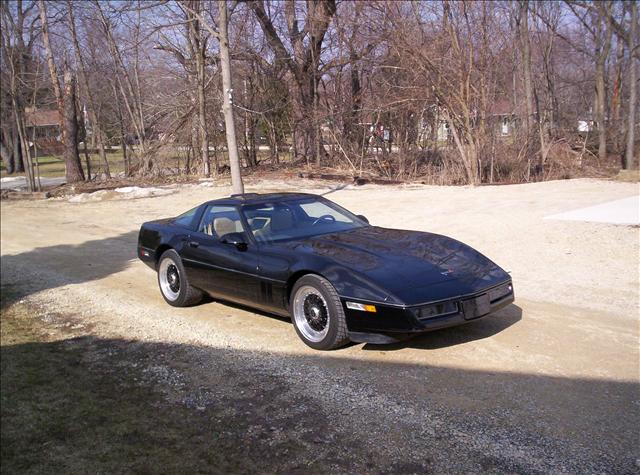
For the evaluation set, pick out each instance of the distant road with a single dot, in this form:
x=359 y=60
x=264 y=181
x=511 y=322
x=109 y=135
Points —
x=20 y=182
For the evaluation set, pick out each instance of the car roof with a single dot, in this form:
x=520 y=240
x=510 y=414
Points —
x=260 y=198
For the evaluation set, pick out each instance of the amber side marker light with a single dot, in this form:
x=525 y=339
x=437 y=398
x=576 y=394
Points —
x=362 y=307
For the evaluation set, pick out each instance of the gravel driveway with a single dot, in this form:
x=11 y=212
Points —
x=549 y=384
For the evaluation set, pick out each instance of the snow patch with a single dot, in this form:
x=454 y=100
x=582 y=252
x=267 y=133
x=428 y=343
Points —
x=124 y=193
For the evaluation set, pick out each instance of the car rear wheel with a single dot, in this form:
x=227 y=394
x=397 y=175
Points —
x=317 y=313
x=173 y=282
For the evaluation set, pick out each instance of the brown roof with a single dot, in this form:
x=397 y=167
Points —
x=506 y=107
x=42 y=117
x=501 y=107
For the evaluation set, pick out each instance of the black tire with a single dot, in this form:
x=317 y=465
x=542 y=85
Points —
x=336 y=334
x=182 y=294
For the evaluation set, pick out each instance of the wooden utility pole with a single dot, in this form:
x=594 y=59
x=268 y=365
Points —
x=227 y=98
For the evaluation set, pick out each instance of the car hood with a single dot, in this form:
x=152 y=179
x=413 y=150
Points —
x=414 y=267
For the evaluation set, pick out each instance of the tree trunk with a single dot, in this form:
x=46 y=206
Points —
x=616 y=96
x=633 y=74
x=73 y=167
x=53 y=71
x=123 y=142
x=273 y=143
x=227 y=108
x=356 y=104
x=7 y=148
x=249 y=128
x=552 y=99
x=202 y=121
x=24 y=147
x=526 y=64
x=195 y=142
x=603 y=45
x=304 y=129
x=66 y=106
x=93 y=117
x=198 y=50
x=7 y=157
x=17 y=151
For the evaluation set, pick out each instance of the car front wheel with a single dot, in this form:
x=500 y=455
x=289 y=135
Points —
x=173 y=282
x=317 y=313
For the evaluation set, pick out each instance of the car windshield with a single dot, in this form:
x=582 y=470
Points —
x=295 y=219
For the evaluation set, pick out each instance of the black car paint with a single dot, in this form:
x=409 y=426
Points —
x=398 y=271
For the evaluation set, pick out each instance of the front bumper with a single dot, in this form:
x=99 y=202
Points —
x=393 y=323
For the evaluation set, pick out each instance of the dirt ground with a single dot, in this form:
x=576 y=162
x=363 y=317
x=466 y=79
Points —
x=549 y=384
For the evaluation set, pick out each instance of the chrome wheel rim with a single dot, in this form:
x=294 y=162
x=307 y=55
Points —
x=311 y=313
x=169 y=279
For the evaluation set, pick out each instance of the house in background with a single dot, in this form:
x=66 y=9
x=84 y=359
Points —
x=501 y=117
x=44 y=131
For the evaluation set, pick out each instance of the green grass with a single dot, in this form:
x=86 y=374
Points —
x=53 y=166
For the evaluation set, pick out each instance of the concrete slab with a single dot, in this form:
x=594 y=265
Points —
x=624 y=211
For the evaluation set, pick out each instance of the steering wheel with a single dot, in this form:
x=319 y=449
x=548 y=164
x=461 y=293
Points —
x=327 y=217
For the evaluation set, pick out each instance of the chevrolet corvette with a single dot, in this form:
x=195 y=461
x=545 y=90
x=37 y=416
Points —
x=336 y=276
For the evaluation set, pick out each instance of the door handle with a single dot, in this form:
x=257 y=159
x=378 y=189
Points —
x=193 y=244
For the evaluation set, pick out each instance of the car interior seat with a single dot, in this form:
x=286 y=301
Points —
x=223 y=225
x=281 y=220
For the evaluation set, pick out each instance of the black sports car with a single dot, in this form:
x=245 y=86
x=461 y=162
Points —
x=338 y=277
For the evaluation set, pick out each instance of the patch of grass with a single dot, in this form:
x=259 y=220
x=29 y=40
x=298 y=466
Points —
x=64 y=408
x=53 y=165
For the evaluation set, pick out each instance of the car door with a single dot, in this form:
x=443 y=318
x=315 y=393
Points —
x=222 y=269
x=274 y=261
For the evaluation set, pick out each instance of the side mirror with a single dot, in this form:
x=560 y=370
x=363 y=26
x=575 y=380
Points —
x=363 y=218
x=236 y=239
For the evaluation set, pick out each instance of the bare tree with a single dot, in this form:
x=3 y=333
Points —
x=74 y=171
x=603 y=34
x=129 y=89
x=222 y=35
x=93 y=117
x=17 y=35
x=68 y=120
x=303 y=64
x=453 y=92
x=525 y=51
x=198 y=46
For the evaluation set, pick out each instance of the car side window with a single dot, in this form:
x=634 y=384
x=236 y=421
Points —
x=186 y=218
x=218 y=221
